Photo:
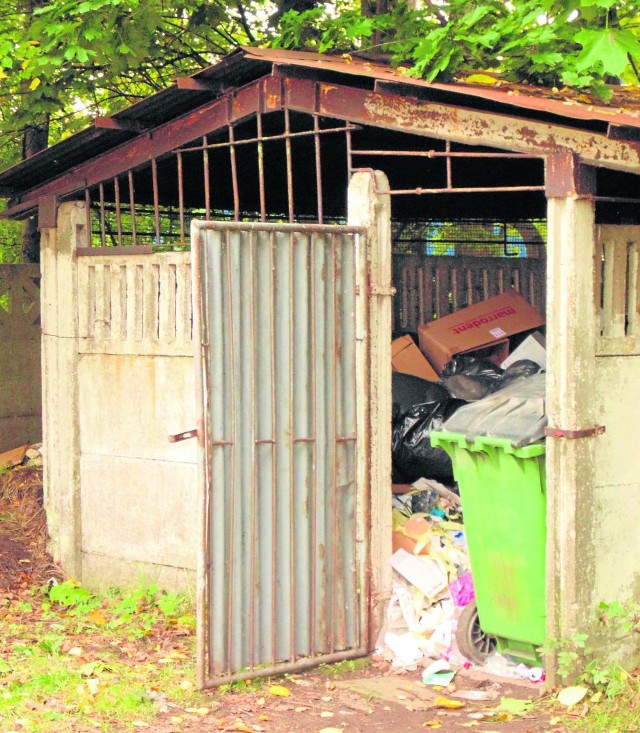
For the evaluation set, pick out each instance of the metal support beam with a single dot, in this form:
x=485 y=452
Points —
x=166 y=138
x=461 y=125
x=565 y=175
x=188 y=83
x=111 y=123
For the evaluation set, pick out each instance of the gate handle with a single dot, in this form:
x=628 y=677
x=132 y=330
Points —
x=183 y=436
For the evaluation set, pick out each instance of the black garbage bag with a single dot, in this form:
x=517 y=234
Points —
x=470 y=377
x=411 y=449
x=472 y=366
x=408 y=390
x=521 y=368
x=469 y=389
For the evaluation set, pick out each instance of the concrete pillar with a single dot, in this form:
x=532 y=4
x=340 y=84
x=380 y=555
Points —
x=60 y=384
x=571 y=340
x=370 y=208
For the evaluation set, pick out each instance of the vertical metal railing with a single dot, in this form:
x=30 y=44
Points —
x=279 y=374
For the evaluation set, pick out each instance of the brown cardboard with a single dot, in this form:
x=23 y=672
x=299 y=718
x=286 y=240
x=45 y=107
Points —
x=478 y=326
x=407 y=537
x=407 y=358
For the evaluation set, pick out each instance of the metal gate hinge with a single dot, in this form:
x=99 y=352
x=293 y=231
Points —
x=375 y=289
x=183 y=436
x=574 y=434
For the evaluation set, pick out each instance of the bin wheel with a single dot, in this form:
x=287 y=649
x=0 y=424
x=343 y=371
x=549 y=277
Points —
x=472 y=640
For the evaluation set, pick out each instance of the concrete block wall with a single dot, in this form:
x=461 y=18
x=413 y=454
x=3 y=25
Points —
x=119 y=378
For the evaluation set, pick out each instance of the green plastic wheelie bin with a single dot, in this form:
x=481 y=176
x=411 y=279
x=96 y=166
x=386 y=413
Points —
x=503 y=491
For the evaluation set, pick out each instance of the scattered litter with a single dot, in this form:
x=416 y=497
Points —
x=571 y=696
x=462 y=591
x=438 y=673
x=447 y=703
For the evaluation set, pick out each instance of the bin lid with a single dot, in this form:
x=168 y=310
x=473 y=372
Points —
x=516 y=412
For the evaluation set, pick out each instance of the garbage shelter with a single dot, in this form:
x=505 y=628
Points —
x=548 y=188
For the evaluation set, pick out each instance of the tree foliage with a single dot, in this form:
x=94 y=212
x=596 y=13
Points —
x=576 y=43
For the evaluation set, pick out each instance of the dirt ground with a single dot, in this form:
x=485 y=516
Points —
x=343 y=700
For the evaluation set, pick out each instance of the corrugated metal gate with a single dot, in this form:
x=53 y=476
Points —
x=282 y=543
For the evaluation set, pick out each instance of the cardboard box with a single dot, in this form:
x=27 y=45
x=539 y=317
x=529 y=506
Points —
x=478 y=326
x=407 y=358
x=532 y=348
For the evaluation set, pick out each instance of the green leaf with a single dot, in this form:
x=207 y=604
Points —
x=606 y=50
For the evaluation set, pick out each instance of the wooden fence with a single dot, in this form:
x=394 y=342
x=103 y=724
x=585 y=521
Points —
x=431 y=286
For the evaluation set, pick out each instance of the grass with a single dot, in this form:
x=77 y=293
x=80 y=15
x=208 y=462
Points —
x=73 y=661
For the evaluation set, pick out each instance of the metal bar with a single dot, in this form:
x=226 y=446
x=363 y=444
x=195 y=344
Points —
x=287 y=143
x=272 y=138
x=316 y=145
x=448 y=164
x=274 y=459
x=357 y=615
x=291 y=424
x=180 y=197
x=232 y=421
x=207 y=182
x=103 y=228
x=116 y=190
x=446 y=154
x=480 y=189
x=263 y=208
x=253 y=519
x=186 y=435
x=285 y=227
x=156 y=198
x=349 y=145
x=132 y=208
x=334 y=469
x=574 y=434
x=87 y=206
x=614 y=199
x=314 y=450
x=234 y=176
x=204 y=470
x=286 y=668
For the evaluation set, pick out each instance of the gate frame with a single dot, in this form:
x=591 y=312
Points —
x=371 y=214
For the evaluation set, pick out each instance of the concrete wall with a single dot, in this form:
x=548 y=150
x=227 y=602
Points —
x=593 y=481
x=118 y=380
x=20 y=394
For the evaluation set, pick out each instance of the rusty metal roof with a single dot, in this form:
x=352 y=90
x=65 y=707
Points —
x=247 y=64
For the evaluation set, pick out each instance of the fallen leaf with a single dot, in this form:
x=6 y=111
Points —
x=186 y=684
x=331 y=730
x=198 y=711
x=571 y=696
x=176 y=720
x=140 y=724
x=447 y=703
x=279 y=691
x=239 y=725
x=596 y=697
x=93 y=683
x=326 y=714
x=326 y=698
x=432 y=724
x=97 y=617
x=75 y=651
x=515 y=705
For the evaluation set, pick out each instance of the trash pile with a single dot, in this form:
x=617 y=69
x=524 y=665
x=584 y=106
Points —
x=24 y=455
x=477 y=372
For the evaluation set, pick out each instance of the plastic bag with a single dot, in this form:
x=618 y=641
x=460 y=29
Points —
x=471 y=378
x=472 y=366
x=408 y=390
x=411 y=448
x=521 y=368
